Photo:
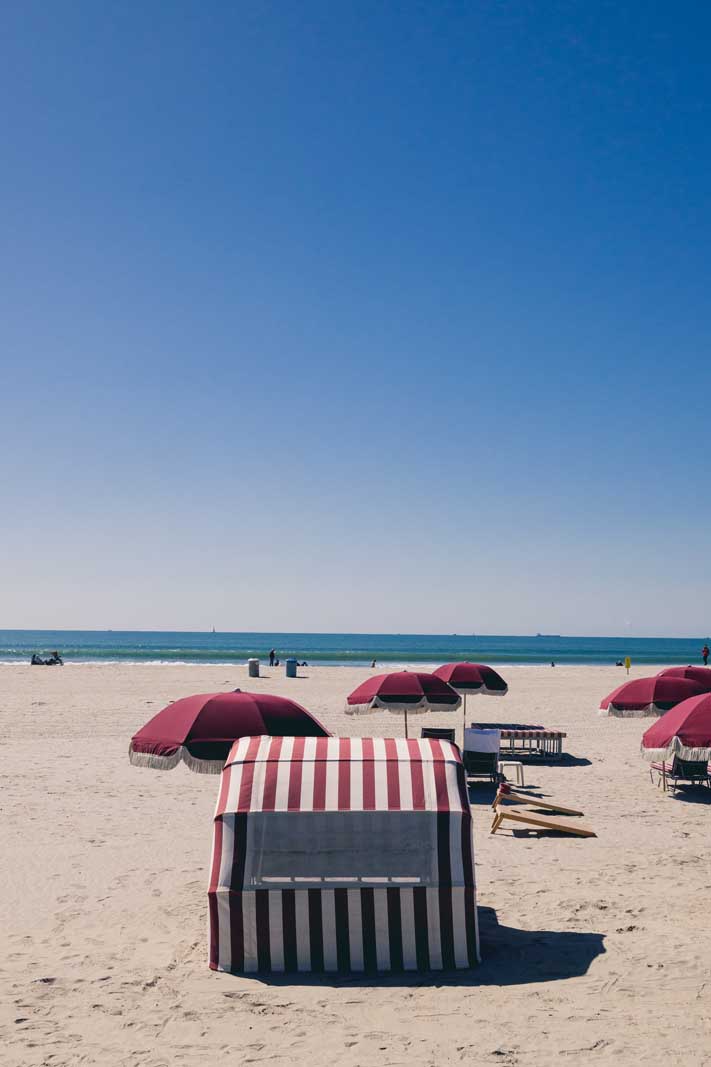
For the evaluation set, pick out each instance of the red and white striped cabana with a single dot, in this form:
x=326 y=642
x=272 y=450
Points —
x=342 y=855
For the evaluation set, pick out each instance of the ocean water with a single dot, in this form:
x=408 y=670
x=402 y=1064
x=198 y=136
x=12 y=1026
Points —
x=95 y=646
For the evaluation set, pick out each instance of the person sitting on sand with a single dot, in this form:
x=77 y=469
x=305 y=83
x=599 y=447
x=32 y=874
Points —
x=55 y=660
x=36 y=660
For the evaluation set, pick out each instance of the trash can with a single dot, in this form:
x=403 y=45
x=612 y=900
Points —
x=291 y=668
x=253 y=667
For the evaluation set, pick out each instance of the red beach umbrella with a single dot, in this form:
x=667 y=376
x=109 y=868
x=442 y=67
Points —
x=403 y=692
x=468 y=678
x=700 y=675
x=200 y=730
x=648 y=696
x=685 y=731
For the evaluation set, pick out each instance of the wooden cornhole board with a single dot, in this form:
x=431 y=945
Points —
x=534 y=802
x=533 y=821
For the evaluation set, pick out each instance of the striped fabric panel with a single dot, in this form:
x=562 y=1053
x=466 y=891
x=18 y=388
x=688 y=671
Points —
x=342 y=774
x=257 y=749
x=342 y=930
x=525 y=734
x=347 y=931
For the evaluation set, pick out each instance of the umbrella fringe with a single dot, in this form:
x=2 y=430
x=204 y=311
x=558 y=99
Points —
x=676 y=748
x=481 y=691
x=647 y=712
x=167 y=763
x=422 y=708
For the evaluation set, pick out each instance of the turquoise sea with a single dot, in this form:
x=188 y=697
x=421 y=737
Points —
x=92 y=646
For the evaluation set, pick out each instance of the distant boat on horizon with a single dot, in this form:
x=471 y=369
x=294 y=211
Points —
x=547 y=635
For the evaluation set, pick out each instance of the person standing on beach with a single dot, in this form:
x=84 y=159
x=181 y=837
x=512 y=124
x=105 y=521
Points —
x=705 y=655
x=272 y=654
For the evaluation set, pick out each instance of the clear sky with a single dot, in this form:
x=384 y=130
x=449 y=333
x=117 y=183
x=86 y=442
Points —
x=356 y=316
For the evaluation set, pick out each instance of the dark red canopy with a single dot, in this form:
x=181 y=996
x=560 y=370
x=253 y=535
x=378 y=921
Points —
x=685 y=731
x=473 y=678
x=406 y=692
x=201 y=729
x=648 y=696
x=414 y=690
x=700 y=675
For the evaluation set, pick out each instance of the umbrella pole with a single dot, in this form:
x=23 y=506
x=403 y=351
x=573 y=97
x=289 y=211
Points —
x=405 y=722
x=464 y=719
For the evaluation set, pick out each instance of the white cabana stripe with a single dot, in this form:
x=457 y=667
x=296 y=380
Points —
x=232 y=802
x=430 y=785
x=310 y=749
x=240 y=751
x=328 y=926
x=356 y=749
x=281 y=800
x=423 y=744
x=307 y=786
x=224 y=926
x=228 y=845
x=404 y=770
x=332 y=768
x=249 y=920
x=276 y=931
x=382 y=929
x=355 y=929
x=303 y=941
x=455 y=800
x=379 y=749
x=356 y=771
x=260 y=773
x=381 y=776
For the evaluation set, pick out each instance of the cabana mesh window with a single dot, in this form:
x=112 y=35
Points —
x=341 y=849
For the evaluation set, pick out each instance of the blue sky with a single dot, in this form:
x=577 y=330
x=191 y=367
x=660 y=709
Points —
x=356 y=316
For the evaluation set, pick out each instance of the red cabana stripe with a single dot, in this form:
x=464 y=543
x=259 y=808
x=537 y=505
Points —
x=344 y=774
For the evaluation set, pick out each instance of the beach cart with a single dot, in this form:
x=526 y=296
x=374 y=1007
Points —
x=342 y=855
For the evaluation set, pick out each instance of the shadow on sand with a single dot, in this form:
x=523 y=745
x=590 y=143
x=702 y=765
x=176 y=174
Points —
x=509 y=957
x=691 y=794
x=566 y=760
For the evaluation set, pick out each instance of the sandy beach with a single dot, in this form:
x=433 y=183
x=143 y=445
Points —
x=594 y=950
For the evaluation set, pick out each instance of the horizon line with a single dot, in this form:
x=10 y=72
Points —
x=353 y=633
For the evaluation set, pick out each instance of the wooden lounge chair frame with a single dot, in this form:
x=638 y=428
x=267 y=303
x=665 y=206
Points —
x=531 y=820
x=533 y=802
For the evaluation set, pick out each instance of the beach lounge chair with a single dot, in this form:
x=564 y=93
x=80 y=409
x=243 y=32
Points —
x=506 y=793
x=481 y=754
x=531 y=820
x=691 y=772
x=441 y=734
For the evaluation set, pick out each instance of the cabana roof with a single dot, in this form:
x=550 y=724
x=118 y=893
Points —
x=306 y=774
